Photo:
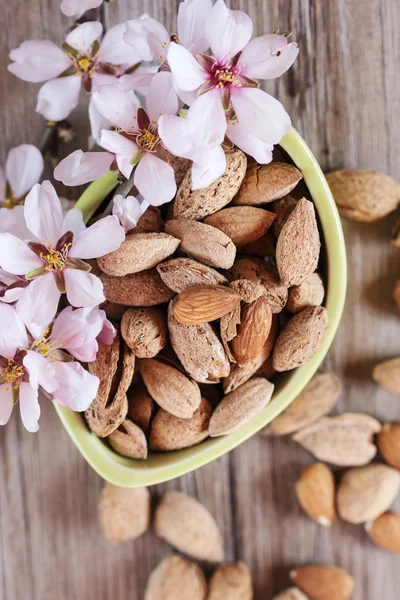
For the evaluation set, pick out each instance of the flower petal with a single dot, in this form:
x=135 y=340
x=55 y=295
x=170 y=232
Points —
x=83 y=37
x=38 y=60
x=13 y=221
x=41 y=371
x=77 y=7
x=13 y=333
x=149 y=38
x=29 y=406
x=207 y=109
x=174 y=134
x=81 y=167
x=192 y=18
x=43 y=213
x=104 y=236
x=73 y=221
x=124 y=149
x=162 y=98
x=24 y=168
x=139 y=80
x=187 y=73
x=208 y=165
x=227 y=31
x=155 y=180
x=77 y=388
x=97 y=121
x=249 y=143
x=58 y=98
x=268 y=56
x=116 y=107
x=39 y=302
x=114 y=49
x=127 y=210
x=6 y=404
x=83 y=289
x=15 y=256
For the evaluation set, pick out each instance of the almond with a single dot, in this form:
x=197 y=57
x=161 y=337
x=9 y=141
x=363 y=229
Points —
x=231 y=581
x=243 y=224
x=389 y=444
x=387 y=375
x=151 y=221
x=170 y=388
x=282 y=209
x=318 y=397
x=323 y=582
x=199 y=349
x=176 y=579
x=140 y=289
x=241 y=406
x=396 y=294
x=124 y=514
x=115 y=312
x=180 y=274
x=141 y=406
x=367 y=492
x=265 y=273
x=298 y=245
x=249 y=291
x=253 y=331
x=291 y=594
x=265 y=183
x=203 y=242
x=144 y=331
x=172 y=433
x=180 y=166
x=197 y=204
x=396 y=234
x=301 y=338
x=345 y=440
x=129 y=440
x=189 y=527
x=264 y=246
x=315 y=492
x=139 y=252
x=364 y=196
x=204 y=303
x=309 y=293
x=385 y=531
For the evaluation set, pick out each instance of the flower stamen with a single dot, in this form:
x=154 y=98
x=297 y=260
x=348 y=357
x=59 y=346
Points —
x=55 y=259
x=147 y=140
x=12 y=375
x=45 y=346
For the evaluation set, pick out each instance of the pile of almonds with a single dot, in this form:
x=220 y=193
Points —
x=214 y=297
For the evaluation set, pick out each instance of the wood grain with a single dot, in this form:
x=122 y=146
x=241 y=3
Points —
x=344 y=97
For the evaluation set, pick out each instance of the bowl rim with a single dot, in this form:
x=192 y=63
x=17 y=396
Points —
x=126 y=472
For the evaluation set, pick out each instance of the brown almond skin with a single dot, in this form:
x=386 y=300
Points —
x=180 y=166
x=115 y=312
x=265 y=273
x=176 y=579
x=253 y=331
x=145 y=331
x=282 y=209
x=364 y=196
x=141 y=406
x=188 y=526
x=249 y=291
x=151 y=221
x=264 y=246
x=309 y=293
x=204 y=303
x=385 y=531
x=179 y=274
x=231 y=581
x=291 y=594
x=140 y=289
x=241 y=406
x=396 y=294
x=203 y=242
x=323 y=582
x=170 y=388
x=298 y=245
x=243 y=224
x=171 y=433
x=138 y=252
x=124 y=514
x=197 y=204
x=199 y=349
x=301 y=338
x=389 y=444
x=265 y=183
x=315 y=491
x=129 y=440
x=387 y=375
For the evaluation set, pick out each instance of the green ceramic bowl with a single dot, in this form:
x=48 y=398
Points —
x=162 y=467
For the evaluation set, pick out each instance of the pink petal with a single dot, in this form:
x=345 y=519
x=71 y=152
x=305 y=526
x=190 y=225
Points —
x=104 y=236
x=81 y=167
x=24 y=168
x=41 y=371
x=155 y=180
x=124 y=149
x=192 y=18
x=6 y=404
x=12 y=295
x=250 y=144
x=83 y=37
x=39 y=302
x=162 y=98
x=108 y=331
x=43 y=213
x=97 y=121
x=73 y=221
x=149 y=38
x=268 y=56
x=38 y=60
x=77 y=388
x=83 y=289
x=13 y=333
x=187 y=73
x=58 y=98
x=68 y=328
x=77 y=7
x=174 y=134
x=13 y=221
x=208 y=165
x=207 y=109
x=139 y=80
x=29 y=407
x=116 y=107
x=227 y=31
x=127 y=210
x=115 y=50
x=261 y=114
x=15 y=256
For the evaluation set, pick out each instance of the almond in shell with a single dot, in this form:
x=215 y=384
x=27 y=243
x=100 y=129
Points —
x=242 y=224
x=180 y=274
x=253 y=331
x=231 y=581
x=265 y=273
x=387 y=375
x=204 y=303
x=129 y=440
x=264 y=246
x=144 y=331
x=176 y=579
x=141 y=406
x=389 y=444
x=124 y=514
x=248 y=290
x=282 y=209
x=140 y=289
x=385 y=531
x=323 y=582
x=265 y=183
x=189 y=527
x=315 y=491
x=151 y=221
x=309 y=293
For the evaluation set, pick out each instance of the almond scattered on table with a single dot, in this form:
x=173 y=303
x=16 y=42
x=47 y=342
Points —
x=385 y=531
x=124 y=514
x=323 y=582
x=231 y=582
x=389 y=444
x=176 y=579
x=315 y=492
x=387 y=375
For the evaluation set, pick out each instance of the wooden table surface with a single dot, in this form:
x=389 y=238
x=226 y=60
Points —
x=344 y=97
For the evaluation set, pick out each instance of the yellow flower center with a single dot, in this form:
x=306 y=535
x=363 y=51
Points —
x=83 y=64
x=55 y=259
x=8 y=203
x=45 y=346
x=224 y=76
x=12 y=375
x=148 y=140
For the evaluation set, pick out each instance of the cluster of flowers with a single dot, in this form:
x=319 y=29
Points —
x=199 y=88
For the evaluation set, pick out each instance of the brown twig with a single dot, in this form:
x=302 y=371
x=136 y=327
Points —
x=123 y=189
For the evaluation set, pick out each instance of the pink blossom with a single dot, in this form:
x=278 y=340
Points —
x=78 y=7
x=84 y=61
x=225 y=84
x=52 y=258
x=128 y=210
